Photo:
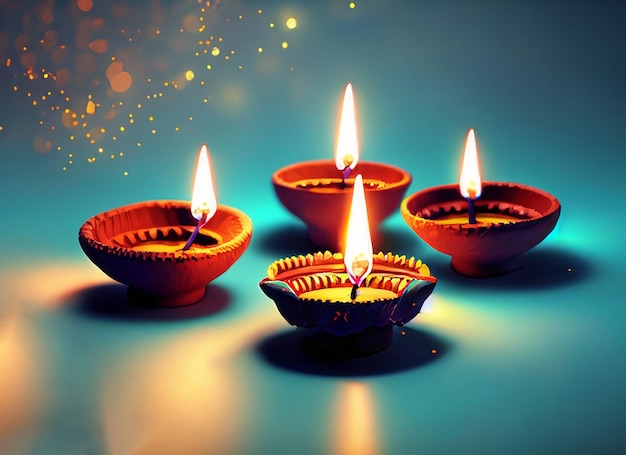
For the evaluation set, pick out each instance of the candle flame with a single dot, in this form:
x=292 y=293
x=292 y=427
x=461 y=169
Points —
x=203 y=201
x=358 y=253
x=347 y=151
x=469 y=183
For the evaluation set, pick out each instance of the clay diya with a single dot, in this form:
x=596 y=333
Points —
x=318 y=192
x=483 y=226
x=154 y=248
x=352 y=299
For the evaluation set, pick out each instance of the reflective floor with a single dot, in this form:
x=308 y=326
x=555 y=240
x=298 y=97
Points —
x=528 y=362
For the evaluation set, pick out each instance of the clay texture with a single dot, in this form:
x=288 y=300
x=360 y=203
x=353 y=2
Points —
x=324 y=206
x=483 y=249
x=288 y=278
x=165 y=278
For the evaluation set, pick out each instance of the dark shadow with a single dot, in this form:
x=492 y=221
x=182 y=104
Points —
x=285 y=240
x=541 y=268
x=398 y=240
x=416 y=348
x=292 y=239
x=111 y=301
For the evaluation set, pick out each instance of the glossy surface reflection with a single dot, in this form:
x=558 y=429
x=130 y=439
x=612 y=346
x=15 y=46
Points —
x=528 y=362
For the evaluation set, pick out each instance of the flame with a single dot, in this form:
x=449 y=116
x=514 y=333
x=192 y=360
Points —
x=469 y=183
x=203 y=201
x=358 y=253
x=347 y=151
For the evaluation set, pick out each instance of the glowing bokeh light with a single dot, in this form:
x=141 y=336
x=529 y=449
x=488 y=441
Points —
x=75 y=56
x=84 y=5
x=291 y=23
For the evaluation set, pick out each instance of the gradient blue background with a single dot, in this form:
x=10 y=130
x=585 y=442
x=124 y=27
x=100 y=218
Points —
x=530 y=362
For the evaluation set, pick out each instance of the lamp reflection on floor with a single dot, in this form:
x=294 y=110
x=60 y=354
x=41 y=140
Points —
x=47 y=285
x=354 y=426
x=19 y=389
x=184 y=395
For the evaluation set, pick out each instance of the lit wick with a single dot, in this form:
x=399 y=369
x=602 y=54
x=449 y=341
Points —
x=358 y=253
x=470 y=206
x=355 y=288
x=201 y=223
x=347 y=161
x=470 y=184
x=347 y=150
x=203 y=200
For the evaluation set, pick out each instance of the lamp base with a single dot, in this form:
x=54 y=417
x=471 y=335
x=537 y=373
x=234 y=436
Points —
x=368 y=342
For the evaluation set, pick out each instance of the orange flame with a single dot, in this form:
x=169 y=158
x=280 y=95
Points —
x=470 y=183
x=347 y=150
x=203 y=200
x=358 y=254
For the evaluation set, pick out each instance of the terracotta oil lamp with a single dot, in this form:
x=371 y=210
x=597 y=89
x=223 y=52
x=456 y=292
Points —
x=319 y=192
x=483 y=226
x=355 y=298
x=168 y=251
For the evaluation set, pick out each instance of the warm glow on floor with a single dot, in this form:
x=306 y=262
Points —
x=186 y=396
x=19 y=390
x=354 y=425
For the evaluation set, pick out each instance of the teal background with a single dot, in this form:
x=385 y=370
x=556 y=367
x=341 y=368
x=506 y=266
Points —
x=529 y=362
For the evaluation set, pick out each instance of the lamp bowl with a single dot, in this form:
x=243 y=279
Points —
x=312 y=191
x=485 y=248
x=140 y=245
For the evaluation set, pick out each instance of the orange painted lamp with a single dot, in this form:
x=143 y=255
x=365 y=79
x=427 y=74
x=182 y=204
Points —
x=168 y=251
x=483 y=226
x=313 y=189
x=354 y=298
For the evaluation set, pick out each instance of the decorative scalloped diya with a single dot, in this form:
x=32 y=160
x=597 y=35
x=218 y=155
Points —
x=319 y=192
x=314 y=291
x=154 y=248
x=140 y=245
x=482 y=233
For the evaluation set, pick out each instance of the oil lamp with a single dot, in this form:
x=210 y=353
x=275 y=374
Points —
x=483 y=226
x=154 y=248
x=354 y=298
x=318 y=192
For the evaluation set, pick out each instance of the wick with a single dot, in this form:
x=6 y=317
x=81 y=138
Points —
x=344 y=176
x=201 y=222
x=355 y=287
x=470 y=211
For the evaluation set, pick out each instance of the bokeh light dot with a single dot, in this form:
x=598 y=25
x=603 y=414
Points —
x=84 y=5
x=121 y=82
x=291 y=23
